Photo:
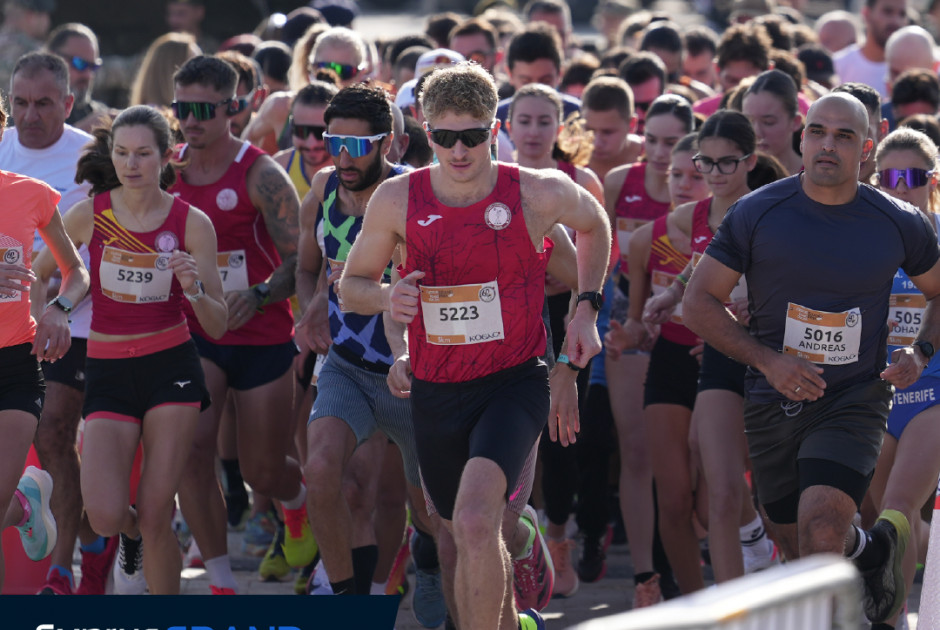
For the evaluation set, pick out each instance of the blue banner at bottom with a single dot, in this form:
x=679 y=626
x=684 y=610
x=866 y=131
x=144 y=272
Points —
x=198 y=612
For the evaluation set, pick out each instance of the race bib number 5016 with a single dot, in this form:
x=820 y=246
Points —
x=464 y=314
x=822 y=337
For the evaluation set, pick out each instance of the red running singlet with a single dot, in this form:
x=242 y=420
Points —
x=481 y=305
x=133 y=291
x=702 y=235
x=665 y=263
x=634 y=208
x=247 y=254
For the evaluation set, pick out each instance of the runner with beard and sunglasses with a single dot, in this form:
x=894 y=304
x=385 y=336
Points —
x=471 y=236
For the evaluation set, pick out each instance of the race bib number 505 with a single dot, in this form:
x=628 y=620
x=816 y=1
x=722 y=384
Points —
x=463 y=314
x=821 y=337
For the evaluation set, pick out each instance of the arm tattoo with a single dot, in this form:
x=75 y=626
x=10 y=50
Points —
x=280 y=208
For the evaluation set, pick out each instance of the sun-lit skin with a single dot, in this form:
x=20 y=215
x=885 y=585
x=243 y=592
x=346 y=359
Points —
x=475 y=47
x=39 y=109
x=136 y=157
x=685 y=182
x=610 y=132
x=774 y=127
x=700 y=67
x=202 y=133
x=902 y=159
x=881 y=20
x=726 y=186
x=645 y=93
x=345 y=55
x=835 y=141
x=533 y=129
x=662 y=133
x=459 y=163
x=357 y=174
x=80 y=81
x=539 y=71
x=734 y=71
x=312 y=151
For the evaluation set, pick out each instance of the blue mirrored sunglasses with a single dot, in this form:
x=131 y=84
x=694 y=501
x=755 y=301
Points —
x=83 y=64
x=356 y=146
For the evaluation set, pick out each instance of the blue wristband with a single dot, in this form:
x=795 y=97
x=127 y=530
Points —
x=563 y=358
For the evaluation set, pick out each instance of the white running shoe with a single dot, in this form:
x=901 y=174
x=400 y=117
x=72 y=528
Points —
x=128 y=569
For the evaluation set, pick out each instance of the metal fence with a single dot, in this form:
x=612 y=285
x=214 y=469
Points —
x=818 y=593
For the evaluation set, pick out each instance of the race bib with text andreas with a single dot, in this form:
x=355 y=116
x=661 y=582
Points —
x=822 y=337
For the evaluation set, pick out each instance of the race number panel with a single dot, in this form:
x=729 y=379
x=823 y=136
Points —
x=135 y=277
x=12 y=256
x=905 y=317
x=626 y=226
x=461 y=315
x=233 y=267
x=661 y=281
x=821 y=337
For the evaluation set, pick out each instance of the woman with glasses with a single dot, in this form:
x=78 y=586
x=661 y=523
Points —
x=636 y=194
x=149 y=252
x=309 y=153
x=771 y=104
x=908 y=467
x=686 y=185
x=725 y=156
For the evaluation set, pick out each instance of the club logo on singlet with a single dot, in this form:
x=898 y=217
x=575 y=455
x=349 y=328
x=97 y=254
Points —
x=633 y=198
x=166 y=241
x=11 y=256
x=497 y=215
x=227 y=199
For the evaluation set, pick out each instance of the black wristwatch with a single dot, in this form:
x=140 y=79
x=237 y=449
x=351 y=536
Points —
x=926 y=348
x=62 y=302
x=594 y=297
x=262 y=293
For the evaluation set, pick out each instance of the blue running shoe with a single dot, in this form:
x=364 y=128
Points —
x=38 y=533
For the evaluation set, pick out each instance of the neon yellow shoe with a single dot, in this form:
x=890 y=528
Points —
x=274 y=567
x=299 y=546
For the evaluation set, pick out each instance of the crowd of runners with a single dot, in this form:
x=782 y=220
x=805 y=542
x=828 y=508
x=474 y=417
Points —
x=478 y=298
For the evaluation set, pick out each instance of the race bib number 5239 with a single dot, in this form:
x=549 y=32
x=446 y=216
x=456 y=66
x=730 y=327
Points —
x=821 y=337
x=464 y=314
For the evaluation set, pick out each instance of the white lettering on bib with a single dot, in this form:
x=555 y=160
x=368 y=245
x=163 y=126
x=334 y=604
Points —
x=625 y=228
x=135 y=277
x=660 y=281
x=462 y=315
x=336 y=267
x=12 y=256
x=821 y=337
x=906 y=315
x=234 y=270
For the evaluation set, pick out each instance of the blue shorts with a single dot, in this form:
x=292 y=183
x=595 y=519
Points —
x=923 y=394
x=248 y=367
x=361 y=398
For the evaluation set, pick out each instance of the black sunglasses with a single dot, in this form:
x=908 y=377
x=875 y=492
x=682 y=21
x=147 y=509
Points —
x=305 y=131
x=470 y=138
x=200 y=111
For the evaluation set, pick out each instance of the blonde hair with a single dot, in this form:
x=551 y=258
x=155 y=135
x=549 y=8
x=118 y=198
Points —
x=907 y=139
x=463 y=88
x=298 y=74
x=154 y=82
x=340 y=37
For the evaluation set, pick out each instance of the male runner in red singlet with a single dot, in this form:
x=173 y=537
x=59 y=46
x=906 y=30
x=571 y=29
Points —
x=254 y=209
x=472 y=237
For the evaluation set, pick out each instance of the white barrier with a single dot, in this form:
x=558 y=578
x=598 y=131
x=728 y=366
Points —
x=929 y=618
x=818 y=593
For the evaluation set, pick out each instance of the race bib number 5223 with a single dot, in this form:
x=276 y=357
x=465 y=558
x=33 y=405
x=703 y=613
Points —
x=463 y=314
